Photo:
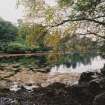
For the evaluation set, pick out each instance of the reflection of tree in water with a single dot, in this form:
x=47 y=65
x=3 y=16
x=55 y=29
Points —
x=72 y=60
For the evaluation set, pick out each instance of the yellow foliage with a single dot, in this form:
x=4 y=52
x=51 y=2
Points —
x=53 y=40
x=54 y=57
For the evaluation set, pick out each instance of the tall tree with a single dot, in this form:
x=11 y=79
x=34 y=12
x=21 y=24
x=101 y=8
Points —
x=33 y=34
x=91 y=14
x=88 y=14
x=8 y=33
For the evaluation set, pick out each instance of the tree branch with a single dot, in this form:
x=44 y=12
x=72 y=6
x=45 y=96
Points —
x=81 y=19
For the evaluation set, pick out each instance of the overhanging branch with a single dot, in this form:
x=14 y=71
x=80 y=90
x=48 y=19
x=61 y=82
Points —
x=81 y=19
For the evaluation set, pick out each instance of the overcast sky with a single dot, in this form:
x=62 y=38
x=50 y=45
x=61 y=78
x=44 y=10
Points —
x=8 y=10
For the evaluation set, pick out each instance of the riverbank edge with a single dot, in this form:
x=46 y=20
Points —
x=90 y=90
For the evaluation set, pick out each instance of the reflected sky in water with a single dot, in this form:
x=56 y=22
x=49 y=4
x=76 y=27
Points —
x=95 y=65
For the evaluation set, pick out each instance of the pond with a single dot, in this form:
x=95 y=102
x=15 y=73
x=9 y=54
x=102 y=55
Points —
x=94 y=64
x=24 y=71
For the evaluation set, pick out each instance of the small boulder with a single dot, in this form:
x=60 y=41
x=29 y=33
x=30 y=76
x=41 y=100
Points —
x=86 y=77
x=103 y=70
x=99 y=99
x=82 y=94
x=97 y=85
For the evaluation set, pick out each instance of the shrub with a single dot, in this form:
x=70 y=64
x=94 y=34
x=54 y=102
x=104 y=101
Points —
x=16 y=48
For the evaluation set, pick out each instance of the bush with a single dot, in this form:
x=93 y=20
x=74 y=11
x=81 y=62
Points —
x=17 y=48
x=40 y=49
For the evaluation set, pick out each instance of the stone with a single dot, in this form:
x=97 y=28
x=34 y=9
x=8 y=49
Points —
x=86 y=77
x=99 y=99
x=97 y=85
x=16 y=66
x=103 y=70
x=82 y=94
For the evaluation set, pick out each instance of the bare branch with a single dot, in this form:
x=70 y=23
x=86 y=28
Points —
x=81 y=19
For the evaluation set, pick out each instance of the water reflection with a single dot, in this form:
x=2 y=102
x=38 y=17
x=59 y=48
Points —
x=80 y=65
x=72 y=60
x=76 y=62
x=64 y=69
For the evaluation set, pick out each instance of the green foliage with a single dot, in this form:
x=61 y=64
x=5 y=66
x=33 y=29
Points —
x=85 y=5
x=16 y=48
x=21 y=46
x=8 y=33
x=23 y=30
x=63 y=3
x=102 y=47
x=80 y=5
x=38 y=49
x=53 y=40
x=27 y=61
x=33 y=34
x=49 y=14
x=89 y=15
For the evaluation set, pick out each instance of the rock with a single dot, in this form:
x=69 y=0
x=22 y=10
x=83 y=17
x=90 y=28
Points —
x=31 y=67
x=103 y=70
x=94 y=87
x=56 y=85
x=8 y=101
x=82 y=94
x=16 y=66
x=99 y=99
x=97 y=85
x=2 y=68
x=4 y=84
x=86 y=77
x=16 y=69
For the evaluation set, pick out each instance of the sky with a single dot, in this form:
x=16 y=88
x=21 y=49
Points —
x=9 y=12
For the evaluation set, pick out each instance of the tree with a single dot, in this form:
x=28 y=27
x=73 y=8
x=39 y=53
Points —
x=88 y=14
x=91 y=14
x=8 y=33
x=33 y=34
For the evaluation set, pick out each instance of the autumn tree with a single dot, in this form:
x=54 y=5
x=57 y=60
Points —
x=33 y=34
x=88 y=15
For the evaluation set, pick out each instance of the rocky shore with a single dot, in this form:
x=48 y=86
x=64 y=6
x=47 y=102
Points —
x=90 y=90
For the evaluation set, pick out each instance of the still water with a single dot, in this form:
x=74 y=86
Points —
x=94 y=64
x=66 y=69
